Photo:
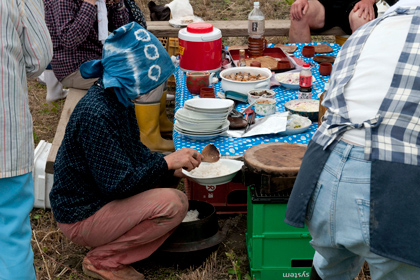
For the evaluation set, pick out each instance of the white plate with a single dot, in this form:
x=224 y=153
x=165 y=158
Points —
x=291 y=131
x=180 y=22
x=188 y=115
x=287 y=85
x=208 y=116
x=200 y=137
x=199 y=125
x=233 y=165
x=209 y=104
x=202 y=130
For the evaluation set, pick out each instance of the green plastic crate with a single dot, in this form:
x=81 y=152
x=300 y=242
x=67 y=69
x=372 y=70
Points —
x=273 y=246
x=281 y=273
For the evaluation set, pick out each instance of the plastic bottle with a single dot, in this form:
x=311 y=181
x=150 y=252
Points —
x=256 y=28
x=242 y=61
x=305 y=82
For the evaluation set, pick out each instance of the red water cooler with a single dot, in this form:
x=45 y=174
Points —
x=200 y=47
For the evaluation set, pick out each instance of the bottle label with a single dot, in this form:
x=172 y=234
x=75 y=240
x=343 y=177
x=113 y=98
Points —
x=305 y=81
x=305 y=93
x=254 y=26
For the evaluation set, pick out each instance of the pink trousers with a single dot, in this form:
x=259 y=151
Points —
x=128 y=230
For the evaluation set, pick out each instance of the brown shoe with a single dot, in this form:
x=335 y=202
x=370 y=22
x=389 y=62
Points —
x=126 y=273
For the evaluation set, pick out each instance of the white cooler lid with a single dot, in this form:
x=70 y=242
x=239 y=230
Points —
x=199 y=32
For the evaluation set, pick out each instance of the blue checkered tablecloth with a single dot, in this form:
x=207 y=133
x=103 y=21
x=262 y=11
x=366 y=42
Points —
x=231 y=146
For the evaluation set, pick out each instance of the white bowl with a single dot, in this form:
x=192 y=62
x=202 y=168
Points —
x=245 y=86
x=233 y=165
x=257 y=93
x=265 y=106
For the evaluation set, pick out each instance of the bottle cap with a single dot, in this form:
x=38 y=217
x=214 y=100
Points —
x=306 y=65
x=256 y=4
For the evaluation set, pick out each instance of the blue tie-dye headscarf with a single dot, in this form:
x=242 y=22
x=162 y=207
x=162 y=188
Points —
x=134 y=62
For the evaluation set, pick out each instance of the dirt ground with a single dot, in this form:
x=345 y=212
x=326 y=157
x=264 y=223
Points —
x=58 y=258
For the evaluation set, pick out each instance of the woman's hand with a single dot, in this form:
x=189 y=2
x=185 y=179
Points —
x=184 y=158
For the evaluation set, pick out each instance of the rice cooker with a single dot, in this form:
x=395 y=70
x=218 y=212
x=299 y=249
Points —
x=200 y=47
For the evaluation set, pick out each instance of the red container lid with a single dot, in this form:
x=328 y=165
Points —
x=200 y=27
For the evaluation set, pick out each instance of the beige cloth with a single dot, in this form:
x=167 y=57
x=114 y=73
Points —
x=75 y=80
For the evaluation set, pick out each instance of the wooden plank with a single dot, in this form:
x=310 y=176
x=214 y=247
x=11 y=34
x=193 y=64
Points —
x=72 y=99
x=235 y=28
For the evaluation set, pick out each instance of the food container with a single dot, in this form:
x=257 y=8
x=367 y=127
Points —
x=304 y=107
x=200 y=47
x=245 y=86
x=265 y=106
x=257 y=93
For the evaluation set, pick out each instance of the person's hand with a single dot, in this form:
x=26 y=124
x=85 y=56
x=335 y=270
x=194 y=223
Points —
x=184 y=158
x=365 y=9
x=93 y=2
x=298 y=9
x=178 y=173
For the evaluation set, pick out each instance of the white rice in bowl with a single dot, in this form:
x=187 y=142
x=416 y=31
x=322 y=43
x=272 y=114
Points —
x=210 y=170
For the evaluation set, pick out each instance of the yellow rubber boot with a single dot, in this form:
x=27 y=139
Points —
x=148 y=120
x=165 y=124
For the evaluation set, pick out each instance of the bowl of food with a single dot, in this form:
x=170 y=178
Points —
x=257 y=93
x=215 y=173
x=304 y=107
x=296 y=124
x=265 y=106
x=244 y=79
x=288 y=80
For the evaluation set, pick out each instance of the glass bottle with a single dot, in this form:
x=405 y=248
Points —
x=256 y=28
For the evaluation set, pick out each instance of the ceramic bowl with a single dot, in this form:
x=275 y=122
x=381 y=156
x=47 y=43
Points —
x=257 y=93
x=233 y=165
x=308 y=51
x=265 y=106
x=325 y=68
x=304 y=107
x=245 y=86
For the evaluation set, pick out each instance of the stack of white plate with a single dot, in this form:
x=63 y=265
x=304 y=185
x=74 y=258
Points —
x=203 y=118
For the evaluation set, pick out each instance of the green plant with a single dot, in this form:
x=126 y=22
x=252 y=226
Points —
x=236 y=270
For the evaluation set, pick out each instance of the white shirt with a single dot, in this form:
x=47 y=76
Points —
x=366 y=90
x=26 y=38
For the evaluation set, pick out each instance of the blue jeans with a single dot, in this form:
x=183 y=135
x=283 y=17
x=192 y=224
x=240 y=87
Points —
x=16 y=202
x=338 y=221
